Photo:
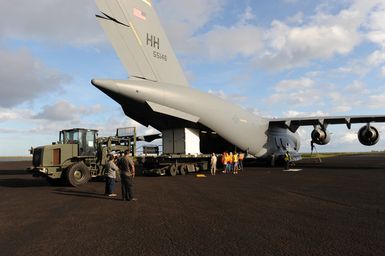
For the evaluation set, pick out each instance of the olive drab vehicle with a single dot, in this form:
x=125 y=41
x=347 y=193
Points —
x=79 y=155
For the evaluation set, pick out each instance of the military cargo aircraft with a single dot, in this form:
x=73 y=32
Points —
x=158 y=94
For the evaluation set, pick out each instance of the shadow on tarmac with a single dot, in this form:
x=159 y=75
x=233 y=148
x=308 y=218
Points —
x=23 y=183
x=70 y=192
x=13 y=172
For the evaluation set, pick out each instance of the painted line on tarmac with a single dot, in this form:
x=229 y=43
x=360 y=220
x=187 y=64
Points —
x=293 y=170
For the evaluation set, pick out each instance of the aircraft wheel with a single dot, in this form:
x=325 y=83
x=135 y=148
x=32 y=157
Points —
x=78 y=174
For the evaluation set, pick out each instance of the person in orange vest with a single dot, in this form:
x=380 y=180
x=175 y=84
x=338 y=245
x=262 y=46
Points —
x=224 y=161
x=230 y=163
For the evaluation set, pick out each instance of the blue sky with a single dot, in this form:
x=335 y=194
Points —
x=279 y=58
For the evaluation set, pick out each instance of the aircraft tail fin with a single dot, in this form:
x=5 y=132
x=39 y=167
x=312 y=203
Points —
x=139 y=40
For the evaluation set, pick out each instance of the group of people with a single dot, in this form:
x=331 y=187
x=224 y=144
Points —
x=126 y=168
x=232 y=163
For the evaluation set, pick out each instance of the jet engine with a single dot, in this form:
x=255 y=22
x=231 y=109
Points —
x=368 y=135
x=320 y=136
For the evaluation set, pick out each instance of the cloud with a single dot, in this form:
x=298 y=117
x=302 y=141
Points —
x=13 y=114
x=312 y=93
x=349 y=137
x=383 y=71
x=60 y=111
x=279 y=47
x=58 y=21
x=225 y=43
x=356 y=67
x=357 y=88
x=182 y=19
x=23 y=77
x=291 y=1
x=294 y=113
x=376 y=101
x=376 y=24
x=189 y=30
x=288 y=85
x=247 y=16
x=66 y=111
x=291 y=47
x=376 y=58
x=296 y=19
x=296 y=93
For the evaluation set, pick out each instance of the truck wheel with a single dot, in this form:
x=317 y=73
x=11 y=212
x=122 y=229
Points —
x=172 y=170
x=183 y=169
x=78 y=174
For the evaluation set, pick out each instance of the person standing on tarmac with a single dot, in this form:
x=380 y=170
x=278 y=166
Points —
x=110 y=169
x=127 y=173
x=240 y=161
x=235 y=160
x=230 y=163
x=224 y=162
x=213 y=163
x=286 y=157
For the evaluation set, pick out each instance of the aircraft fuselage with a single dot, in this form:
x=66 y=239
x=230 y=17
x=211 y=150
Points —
x=238 y=126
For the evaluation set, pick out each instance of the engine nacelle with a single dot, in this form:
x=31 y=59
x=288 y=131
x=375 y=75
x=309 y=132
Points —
x=368 y=135
x=320 y=136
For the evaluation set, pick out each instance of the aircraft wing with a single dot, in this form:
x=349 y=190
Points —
x=323 y=121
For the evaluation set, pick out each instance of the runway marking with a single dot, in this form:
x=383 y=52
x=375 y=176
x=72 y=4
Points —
x=293 y=170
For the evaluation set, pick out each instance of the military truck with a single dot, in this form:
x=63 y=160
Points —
x=79 y=155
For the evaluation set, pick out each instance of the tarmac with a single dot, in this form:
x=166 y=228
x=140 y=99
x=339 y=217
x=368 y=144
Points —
x=336 y=207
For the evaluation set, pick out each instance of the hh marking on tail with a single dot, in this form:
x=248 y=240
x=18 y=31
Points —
x=153 y=41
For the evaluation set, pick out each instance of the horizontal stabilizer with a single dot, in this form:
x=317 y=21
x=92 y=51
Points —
x=172 y=112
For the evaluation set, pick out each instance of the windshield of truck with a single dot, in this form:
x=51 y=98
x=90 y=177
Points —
x=70 y=137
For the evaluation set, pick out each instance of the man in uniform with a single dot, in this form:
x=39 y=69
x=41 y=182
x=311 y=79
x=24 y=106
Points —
x=127 y=173
x=110 y=173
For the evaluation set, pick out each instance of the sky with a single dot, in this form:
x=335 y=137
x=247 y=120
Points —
x=277 y=58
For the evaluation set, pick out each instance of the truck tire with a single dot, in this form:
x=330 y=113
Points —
x=183 y=169
x=172 y=170
x=78 y=174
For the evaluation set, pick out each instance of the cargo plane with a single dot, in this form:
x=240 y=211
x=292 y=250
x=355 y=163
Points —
x=158 y=94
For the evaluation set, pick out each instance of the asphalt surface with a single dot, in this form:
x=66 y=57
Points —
x=334 y=208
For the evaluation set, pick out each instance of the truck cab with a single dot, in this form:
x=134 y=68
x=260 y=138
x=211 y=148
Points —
x=84 y=138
